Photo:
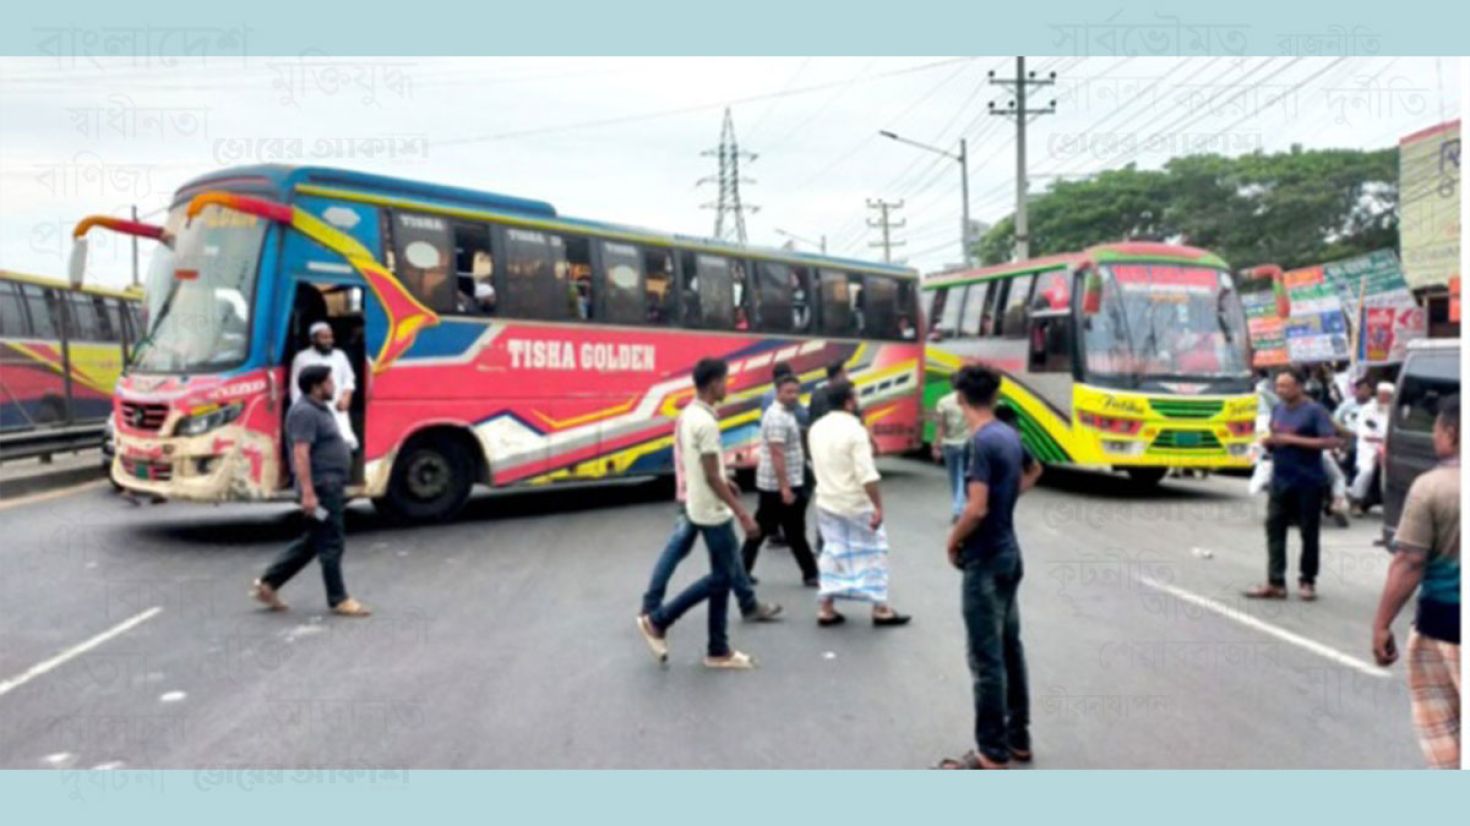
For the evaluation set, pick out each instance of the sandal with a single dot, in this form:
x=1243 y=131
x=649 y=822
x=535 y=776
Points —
x=1306 y=591
x=351 y=608
x=656 y=644
x=1021 y=755
x=1266 y=591
x=736 y=661
x=972 y=761
x=835 y=619
x=266 y=595
x=891 y=618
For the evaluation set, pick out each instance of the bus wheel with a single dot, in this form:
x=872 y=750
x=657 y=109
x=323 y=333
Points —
x=430 y=482
x=1147 y=478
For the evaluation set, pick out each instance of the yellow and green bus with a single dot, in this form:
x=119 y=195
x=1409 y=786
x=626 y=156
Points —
x=1129 y=356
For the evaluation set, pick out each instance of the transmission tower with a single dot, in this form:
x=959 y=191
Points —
x=1017 y=109
x=886 y=224
x=729 y=209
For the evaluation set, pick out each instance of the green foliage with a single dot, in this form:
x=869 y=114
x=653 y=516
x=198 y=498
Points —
x=1293 y=208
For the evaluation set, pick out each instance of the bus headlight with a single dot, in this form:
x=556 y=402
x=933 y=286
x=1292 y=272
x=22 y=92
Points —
x=207 y=420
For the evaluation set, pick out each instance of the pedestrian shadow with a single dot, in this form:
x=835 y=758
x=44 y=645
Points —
x=1115 y=486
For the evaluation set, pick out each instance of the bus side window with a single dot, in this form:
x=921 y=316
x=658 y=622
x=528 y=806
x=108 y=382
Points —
x=775 y=310
x=108 y=313
x=801 y=301
x=620 y=284
x=12 y=314
x=572 y=263
x=990 y=316
x=971 y=321
x=708 y=297
x=425 y=256
x=945 y=322
x=880 y=307
x=740 y=282
x=1013 y=317
x=474 y=270
x=908 y=310
x=837 y=318
x=44 y=314
x=86 y=325
x=658 y=286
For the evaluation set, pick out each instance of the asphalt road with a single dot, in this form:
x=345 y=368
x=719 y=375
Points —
x=506 y=639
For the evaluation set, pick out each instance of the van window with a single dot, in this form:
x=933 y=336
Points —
x=1428 y=378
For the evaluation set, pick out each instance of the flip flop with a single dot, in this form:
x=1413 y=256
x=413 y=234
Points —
x=266 y=595
x=737 y=661
x=656 y=644
x=835 y=619
x=351 y=608
x=970 y=761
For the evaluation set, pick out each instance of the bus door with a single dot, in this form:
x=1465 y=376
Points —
x=1051 y=337
x=340 y=307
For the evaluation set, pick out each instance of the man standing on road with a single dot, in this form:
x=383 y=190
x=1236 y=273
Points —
x=983 y=544
x=951 y=434
x=778 y=480
x=1372 y=430
x=1427 y=557
x=712 y=506
x=821 y=399
x=854 y=561
x=322 y=462
x=323 y=352
x=1300 y=430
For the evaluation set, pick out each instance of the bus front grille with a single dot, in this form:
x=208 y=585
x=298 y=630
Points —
x=1186 y=409
x=144 y=416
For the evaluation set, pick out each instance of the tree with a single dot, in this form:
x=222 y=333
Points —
x=1292 y=208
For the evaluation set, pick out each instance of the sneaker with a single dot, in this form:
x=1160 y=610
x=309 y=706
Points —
x=266 y=595
x=1266 y=591
x=764 y=612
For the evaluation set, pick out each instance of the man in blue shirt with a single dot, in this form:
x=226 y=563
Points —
x=983 y=545
x=1300 y=430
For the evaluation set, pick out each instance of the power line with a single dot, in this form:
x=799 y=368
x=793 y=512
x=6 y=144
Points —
x=886 y=225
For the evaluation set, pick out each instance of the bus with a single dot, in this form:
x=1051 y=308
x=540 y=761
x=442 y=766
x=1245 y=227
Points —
x=495 y=341
x=1129 y=356
x=61 y=351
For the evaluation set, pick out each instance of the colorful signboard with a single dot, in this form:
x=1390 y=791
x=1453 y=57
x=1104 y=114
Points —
x=1263 y=322
x=1429 y=205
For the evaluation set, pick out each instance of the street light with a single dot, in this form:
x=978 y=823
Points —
x=822 y=245
x=963 y=158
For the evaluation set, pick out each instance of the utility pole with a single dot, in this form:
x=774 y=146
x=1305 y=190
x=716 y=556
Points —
x=729 y=209
x=964 y=160
x=886 y=224
x=135 y=247
x=1017 y=109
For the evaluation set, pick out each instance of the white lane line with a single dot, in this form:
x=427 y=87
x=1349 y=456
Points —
x=1265 y=627
x=33 y=498
x=75 y=651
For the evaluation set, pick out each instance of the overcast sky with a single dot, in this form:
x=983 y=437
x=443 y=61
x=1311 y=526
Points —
x=619 y=139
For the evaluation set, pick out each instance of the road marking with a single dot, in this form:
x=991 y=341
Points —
x=77 y=650
x=1279 y=633
x=50 y=494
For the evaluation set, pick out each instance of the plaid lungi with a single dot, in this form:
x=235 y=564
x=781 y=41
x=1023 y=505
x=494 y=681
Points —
x=1434 y=690
x=854 y=560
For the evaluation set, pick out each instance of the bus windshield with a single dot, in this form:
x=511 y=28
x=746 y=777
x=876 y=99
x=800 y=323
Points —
x=1166 y=321
x=198 y=294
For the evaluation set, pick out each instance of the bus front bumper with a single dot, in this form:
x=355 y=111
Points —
x=230 y=464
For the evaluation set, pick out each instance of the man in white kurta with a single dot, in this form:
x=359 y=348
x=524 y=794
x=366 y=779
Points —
x=344 y=380
x=1372 y=428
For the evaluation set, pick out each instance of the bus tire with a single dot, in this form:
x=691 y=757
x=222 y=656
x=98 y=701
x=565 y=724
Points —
x=431 y=480
x=1147 y=478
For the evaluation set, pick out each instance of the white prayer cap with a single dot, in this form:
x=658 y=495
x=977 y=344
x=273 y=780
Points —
x=1385 y=387
x=320 y=327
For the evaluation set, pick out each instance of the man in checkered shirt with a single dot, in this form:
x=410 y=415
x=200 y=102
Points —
x=779 y=479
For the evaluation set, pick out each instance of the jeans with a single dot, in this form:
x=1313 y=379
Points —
x=681 y=542
x=1302 y=503
x=724 y=569
x=324 y=540
x=954 y=465
x=997 y=660
x=772 y=513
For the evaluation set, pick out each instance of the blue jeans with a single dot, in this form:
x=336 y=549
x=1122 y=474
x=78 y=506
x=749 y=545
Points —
x=681 y=542
x=997 y=660
x=954 y=465
x=724 y=570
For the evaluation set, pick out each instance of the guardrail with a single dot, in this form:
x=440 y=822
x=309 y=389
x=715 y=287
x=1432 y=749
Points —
x=44 y=441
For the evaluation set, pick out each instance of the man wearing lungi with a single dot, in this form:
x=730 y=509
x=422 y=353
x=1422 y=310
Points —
x=1427 y=557
x=854 y=560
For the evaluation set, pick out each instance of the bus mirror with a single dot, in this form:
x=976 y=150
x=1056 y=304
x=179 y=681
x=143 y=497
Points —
x=77 y=264
x=1091 y=293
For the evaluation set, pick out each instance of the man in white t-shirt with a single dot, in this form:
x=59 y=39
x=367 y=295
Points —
x=712 y=506
x=344 y=380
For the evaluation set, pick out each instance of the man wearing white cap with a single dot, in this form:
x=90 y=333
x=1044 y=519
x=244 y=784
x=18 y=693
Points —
x=344 y=380
x=1372 y=430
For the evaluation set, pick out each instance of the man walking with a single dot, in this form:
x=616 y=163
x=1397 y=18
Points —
x=712 y=507
x=779 y=475
x=821 y=400
x=323 y=352
x=1427 y=557
x=854 y=561
x=983 y=544
x=322 y=462
x=1372 y=430
x=1300 y=431
x=951 y=434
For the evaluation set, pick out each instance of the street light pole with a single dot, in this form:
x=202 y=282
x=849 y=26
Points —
x=964 y=160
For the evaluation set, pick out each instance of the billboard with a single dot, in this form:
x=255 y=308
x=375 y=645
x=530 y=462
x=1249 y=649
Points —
x=1429 y=205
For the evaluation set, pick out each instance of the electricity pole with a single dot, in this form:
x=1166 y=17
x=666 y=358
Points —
x=964 y=160
x=1017 y=109
x=729 y=210
x=886 y=224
